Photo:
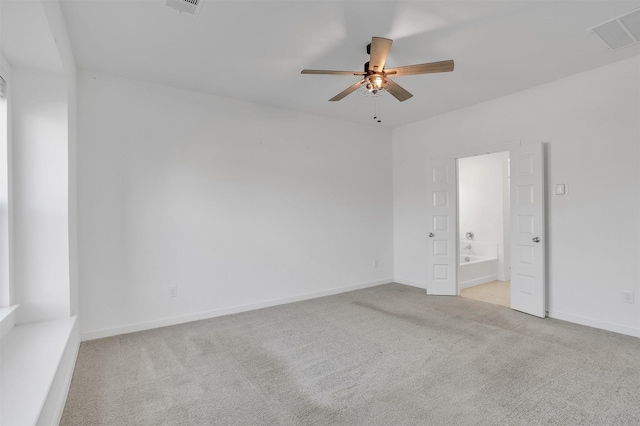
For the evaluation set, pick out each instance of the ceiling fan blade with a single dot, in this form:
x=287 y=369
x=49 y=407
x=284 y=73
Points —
x=398 y=91
x=432 y=67
x=379 y=51
x=347 y=91
x=329 y=72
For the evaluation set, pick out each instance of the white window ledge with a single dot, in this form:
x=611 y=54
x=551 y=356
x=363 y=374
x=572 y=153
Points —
x=31 y=356
x=7 y=320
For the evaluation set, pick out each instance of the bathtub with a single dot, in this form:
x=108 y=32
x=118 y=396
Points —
x=478 y=265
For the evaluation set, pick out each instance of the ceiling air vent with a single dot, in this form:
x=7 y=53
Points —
x=620 y=32
x=191 y=7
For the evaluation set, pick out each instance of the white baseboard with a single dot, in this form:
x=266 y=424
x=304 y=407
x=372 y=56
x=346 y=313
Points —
x=477 y=281
x=411 y=283
x=617 y=328
x=98 y=334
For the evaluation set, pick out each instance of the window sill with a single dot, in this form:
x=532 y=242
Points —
x=7 y=320
x=30 y=359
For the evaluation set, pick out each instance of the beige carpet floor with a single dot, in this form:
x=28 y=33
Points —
x=388 y=355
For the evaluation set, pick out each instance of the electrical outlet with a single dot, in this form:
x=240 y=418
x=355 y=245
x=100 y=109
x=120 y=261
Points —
x=560 y=189
x=173 y=291
x=376 y=263
x=627 y=296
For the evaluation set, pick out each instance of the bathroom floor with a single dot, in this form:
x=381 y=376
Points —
x=496 y=292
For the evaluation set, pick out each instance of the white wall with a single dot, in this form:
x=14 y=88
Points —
x=6 y=286
x=482 y=201
x=590 y=123
x=234 y=203
x=40 y=195
x=58 y=29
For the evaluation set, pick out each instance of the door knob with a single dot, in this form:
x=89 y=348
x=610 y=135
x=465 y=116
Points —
x=431 y=234
x=536 y=239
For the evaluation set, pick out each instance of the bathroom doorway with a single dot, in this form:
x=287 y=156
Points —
x=484 y=228
x=527 y=257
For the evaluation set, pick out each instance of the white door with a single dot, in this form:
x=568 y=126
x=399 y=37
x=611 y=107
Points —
x=442 y=256
x=528 y=230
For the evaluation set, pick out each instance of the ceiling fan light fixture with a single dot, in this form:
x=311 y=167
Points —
x=375 y=83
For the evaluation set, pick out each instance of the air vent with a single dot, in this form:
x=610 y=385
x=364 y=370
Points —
x=191 y=7
x=620 y=32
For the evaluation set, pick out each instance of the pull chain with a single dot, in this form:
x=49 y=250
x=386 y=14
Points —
x=375 y=111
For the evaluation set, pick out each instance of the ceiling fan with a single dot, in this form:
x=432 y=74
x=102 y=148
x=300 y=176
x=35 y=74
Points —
x=376 y=77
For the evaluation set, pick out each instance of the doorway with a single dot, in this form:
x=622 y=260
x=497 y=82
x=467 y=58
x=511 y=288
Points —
x=527 y=228
x=484 y=228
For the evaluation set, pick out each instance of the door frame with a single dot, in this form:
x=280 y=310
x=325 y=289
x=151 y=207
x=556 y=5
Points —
x=476 y=151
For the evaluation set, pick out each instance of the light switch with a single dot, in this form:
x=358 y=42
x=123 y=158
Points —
x=560 y=189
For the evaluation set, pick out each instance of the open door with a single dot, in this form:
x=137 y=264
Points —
x=528 y=230
x=442 y=256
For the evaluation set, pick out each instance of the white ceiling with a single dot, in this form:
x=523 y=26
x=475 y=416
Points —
x=25 y=37
x=254 y=50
